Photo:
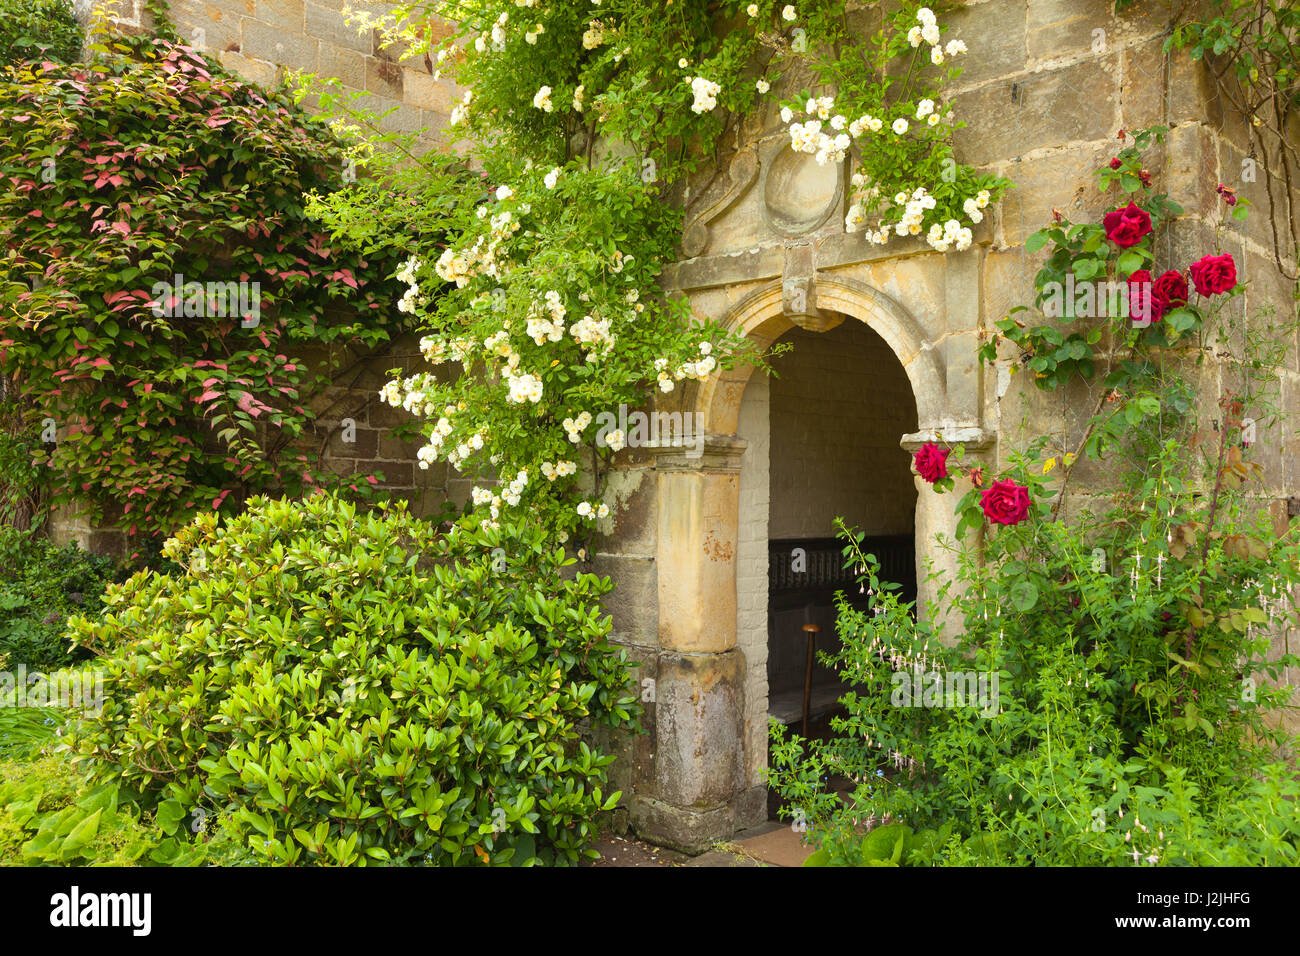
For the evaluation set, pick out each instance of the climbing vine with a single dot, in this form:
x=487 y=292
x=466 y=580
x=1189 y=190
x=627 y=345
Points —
x=160 y=274
x=587 y=120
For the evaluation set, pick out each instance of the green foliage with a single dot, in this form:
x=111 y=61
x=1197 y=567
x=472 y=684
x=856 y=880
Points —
x=1255 y=64
x=1132 y=697
x=38 y=29
x=40 y=587
x=1085 y=276
x=354 y=689
x=51 y=815
x=148 y=163
x=21 y=485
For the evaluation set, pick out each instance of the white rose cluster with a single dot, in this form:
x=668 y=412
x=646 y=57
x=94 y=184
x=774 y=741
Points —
x=927 y=31
x=523 y=387
x=411 y=298
x=542 y=99
x=559 y=469
x=812 y=137
x=590 y=511
x=830 y=145
x=705 y=93
x=593 y=336
x=574 y=427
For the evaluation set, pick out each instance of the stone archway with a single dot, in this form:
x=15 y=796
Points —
x=706 y=784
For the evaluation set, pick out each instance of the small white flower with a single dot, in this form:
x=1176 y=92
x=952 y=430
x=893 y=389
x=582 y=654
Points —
x=683 y=63
x=899 y=126
x=552 y=178
x=786 y=114
x=542 y=100
x=930 y=33
x=914 y=36
x=752 y=9
x=763 y=86
x=956 y=47
x=924 y=108
x=936 y=55
x=788 y=14
x=504 y=193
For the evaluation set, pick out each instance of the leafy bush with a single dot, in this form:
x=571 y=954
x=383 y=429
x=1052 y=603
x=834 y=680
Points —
x=348 y=688
x=44 y=29
x=41 y=585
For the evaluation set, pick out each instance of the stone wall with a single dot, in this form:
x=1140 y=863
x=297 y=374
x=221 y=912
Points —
x=839 y=403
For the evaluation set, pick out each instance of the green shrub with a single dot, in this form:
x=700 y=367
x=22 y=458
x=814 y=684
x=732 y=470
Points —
x=355 y=688
x=38 y=29
x=41 y=585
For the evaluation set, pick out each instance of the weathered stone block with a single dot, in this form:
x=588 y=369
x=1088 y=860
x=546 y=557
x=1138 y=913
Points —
x=1011 y=118
x=327 y=24
x=264 y=41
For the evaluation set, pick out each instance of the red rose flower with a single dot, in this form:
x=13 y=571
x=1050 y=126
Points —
x=1214 y=275
x=1142 y=303
x=932 y=462
x=1169 y=290
x=1005 y=502
x=1126 y=227
x=1115 y=163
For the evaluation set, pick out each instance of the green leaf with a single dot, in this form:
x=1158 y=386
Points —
x=1024 y=595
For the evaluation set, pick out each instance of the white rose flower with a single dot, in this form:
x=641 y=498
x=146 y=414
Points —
x=763 y=86
x=899 y=126
x=788 y=14
x=936 y=55
x=552 y=178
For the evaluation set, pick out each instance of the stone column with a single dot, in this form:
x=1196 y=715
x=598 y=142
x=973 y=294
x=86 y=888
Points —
x=700 y=683
x=936 y=515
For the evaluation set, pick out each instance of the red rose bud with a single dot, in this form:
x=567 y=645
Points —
x=1005 y=502
x=1145 y=176
x=1115 y=163
x=1128 y=226
x=932 y=462
x=976 y=476
x=1214 y=275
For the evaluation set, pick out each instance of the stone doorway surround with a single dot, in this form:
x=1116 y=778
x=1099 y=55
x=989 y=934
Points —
x=708 y=755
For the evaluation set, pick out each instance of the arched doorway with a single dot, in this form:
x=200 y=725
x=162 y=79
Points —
x=710 y=563
x=822 y=441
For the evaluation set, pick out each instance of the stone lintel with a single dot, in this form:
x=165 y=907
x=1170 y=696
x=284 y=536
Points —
x=721 y=453
x=974 y=437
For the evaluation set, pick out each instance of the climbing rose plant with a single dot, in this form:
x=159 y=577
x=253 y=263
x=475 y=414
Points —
x=1098 y=684
x=587 y=121
x=152 y=165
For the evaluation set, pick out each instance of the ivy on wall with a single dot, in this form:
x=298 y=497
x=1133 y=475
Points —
x=160 y=274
